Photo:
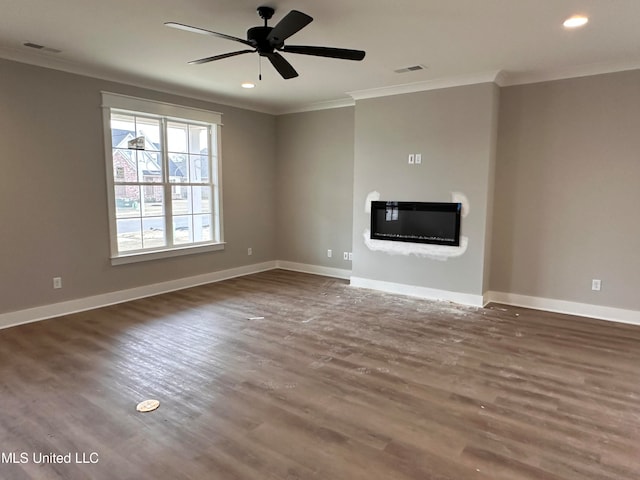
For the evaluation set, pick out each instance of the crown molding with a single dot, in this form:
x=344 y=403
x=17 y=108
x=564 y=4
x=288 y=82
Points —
x=501 y=78
x=48 y=61
x=576 y=71
x=312 y=107
x=434 y=84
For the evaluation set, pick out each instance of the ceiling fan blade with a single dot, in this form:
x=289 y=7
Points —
x=283 y=67
x=293 y=22
x=219 y=57
x=202 y=31
x=342 y=53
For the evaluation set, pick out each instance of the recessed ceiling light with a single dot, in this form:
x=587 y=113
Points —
x=575 y=21
x=248 y=85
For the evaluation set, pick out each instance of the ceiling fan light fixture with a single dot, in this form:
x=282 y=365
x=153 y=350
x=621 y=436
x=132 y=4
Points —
x=248 y=85
x=576 y=21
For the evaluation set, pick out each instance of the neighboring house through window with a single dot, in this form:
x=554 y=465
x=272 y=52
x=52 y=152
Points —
x=163 y=175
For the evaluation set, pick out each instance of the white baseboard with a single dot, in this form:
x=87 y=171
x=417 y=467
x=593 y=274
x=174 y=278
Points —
x=571 y=308
x=29 y=315
x=35 y=314
x=421 y=292
x=314 y=269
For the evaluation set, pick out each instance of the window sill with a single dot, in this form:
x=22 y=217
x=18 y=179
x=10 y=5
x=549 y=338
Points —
x=159 y=254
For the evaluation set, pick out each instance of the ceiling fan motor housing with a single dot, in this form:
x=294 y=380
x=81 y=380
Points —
x=257 y=36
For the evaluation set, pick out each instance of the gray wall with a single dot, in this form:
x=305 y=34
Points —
x=454 y=130
x=564 y=212
x=53 y=200
x=568 y=190
x=315 y=186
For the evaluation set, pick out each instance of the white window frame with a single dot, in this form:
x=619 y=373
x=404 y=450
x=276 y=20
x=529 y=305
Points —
x=126 y=104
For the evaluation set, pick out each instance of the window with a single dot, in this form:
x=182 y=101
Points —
x=163 y=179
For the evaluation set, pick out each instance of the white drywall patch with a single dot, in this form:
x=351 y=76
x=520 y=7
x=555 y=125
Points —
x=457 y=197
x=371 y=197
x=423 y=250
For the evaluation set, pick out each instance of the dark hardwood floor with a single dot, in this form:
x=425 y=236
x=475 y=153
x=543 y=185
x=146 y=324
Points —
x=283 y=375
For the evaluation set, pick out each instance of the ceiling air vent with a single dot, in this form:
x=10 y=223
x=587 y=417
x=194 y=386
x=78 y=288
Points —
x=413 y=68
x=41 y=47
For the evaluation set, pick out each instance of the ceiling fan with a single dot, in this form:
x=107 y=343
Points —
x=269 y=41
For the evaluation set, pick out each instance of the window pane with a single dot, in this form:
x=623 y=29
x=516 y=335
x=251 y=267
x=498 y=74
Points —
x=202 y=228
x=127 y=201
x=181 y=199
x=149 y=128
x=122 y=130
x=198 y=141
x=199 y=168
x=153 y=201
x=201 y=199
x=153 y=232
x=177 y=137
x=178 y=168
x=182 y=229
x=149 y=166
x=124 y=165
x=129 y=234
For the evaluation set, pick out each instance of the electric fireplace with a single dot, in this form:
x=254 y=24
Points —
x=418 y=222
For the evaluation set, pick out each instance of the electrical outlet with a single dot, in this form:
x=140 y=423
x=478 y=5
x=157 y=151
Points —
x=249 y=251
x=57 y=282
x=412 y=159
x=345 y=255
x=596 y=284
x=329 y=253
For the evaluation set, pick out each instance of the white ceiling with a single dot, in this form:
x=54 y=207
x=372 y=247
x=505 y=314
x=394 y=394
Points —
x=460 y=41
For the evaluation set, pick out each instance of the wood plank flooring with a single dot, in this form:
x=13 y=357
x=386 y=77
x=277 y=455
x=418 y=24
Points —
x=286 y=376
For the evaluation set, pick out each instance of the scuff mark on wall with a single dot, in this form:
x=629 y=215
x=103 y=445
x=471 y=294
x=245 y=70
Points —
x=423 y=250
